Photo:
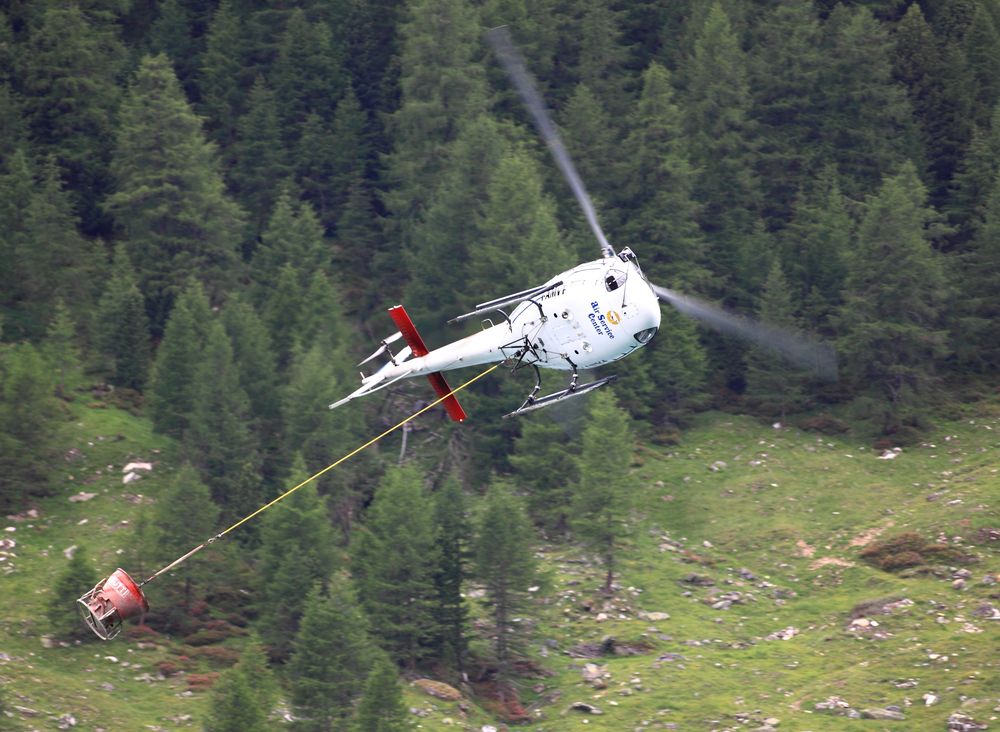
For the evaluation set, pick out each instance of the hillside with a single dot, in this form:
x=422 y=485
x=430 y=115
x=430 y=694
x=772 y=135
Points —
x=743 y=595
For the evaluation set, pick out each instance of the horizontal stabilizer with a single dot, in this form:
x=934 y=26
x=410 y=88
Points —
x=419 y=348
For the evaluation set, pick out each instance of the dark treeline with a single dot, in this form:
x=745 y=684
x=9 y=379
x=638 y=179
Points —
x=208 y=206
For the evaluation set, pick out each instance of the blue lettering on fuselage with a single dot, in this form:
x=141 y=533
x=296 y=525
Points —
x=599 y=322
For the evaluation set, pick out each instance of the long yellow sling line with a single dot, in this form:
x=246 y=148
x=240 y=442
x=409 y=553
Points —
x=311 y=478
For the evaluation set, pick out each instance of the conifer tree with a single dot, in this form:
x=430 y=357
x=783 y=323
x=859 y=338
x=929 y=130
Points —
x=785 y=74
x=26 y=424
x=504 y=564
x=218 y=440
x=659 y=190
x=867 y=120
x=17 y=187
x=602 y=55
x=183 y=518
x=258 y=376
x=60 y=345
x=260 y=678
x=977 y=336
x=546 y=470
x=173 y=35
x=381 y=708
x=321 y=316
x=394 y=568
x=63 y=613
x=332 y=656
x=365 y=263
x=260 y=157
x=678 y=368
x=296 y=549
x=452 y=537
x=67 y=73
x=171 y=388
x=893 y=330
x=234 y=707
x=170 y=201
x=221 y=81
x=775 y=386
x=602 y=497
x=518 y=230
x=122 y=325
x=442 y=86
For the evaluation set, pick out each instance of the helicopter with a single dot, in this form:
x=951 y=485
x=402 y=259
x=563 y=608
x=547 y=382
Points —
x=590 y=315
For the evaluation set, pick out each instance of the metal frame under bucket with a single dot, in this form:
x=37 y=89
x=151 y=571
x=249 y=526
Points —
x=110 y=602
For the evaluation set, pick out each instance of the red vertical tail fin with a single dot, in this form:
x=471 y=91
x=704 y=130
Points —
x=416 y=344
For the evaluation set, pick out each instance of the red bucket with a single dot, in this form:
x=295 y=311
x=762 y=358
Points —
x=111 y=602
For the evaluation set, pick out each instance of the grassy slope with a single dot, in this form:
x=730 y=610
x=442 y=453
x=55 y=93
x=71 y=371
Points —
x=784 y=500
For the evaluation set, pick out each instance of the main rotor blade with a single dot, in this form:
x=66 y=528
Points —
x=800 y=350
x=519 y=75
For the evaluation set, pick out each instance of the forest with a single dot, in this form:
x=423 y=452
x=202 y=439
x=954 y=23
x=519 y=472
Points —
x=206 y=208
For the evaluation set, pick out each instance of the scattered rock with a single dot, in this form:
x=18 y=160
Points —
x=783 y=634
x=66 y=721
x=585 y=708
x=438 y=689
x=132 y=467
x=886 y=714
x=930 y=699
x=81 y=497
x=69 y=551
x=655 y=617
x=718 y=465
x=959 y=722
x=699 y=580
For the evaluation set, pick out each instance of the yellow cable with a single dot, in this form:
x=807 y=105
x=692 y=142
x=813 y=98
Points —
x=313 y=477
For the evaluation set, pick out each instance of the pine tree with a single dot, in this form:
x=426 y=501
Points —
x=546 y=471
x=504 y=564
x=867 y=120
x=234 y=707
x=332 y=655
x=381 y=708
x=452 y=536
x=122 y=325
x=442 y=86
x=17 y=186
x=170 y=201
x=518 y=230
x=260 y=678
x=602 y=497
x=658 y=193
x=222 y=82
x=394 y=562
x=258 y=376
x=183 y=518
x=785 y=73
x=218 y=440
x=893 y=332
x=171 y=395
x=678 y=365
x=27 y=427
x=775 y=386
x=173 y=35
x=63 y=614
x=67 y=73
x=60 y=346
x=296 y=549
x=977 y=336
x=602 y=55
x=260 y=157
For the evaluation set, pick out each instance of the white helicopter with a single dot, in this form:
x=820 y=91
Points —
x=593 y=314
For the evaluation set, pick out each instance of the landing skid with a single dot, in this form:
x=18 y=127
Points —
x=532 y=403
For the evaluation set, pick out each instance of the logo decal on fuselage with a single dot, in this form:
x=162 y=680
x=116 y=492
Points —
x=613 y=317
x=600 y=321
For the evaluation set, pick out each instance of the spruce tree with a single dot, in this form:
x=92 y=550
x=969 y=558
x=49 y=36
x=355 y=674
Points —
x=218 y=440
x=381 y=708
x=394 y=561
x=452 y=537
x=504 y=564
x=170 y=201
x=659 y=191
x=261 y=679
x=977 y=335
x=123 y=327
x=183 y=518
x=67 y=73
x=602 y=497
x=171 y=387
x=60 y=345
x=296 y=549
x=546 y=471
x=63 y=613
x=893 y=331
x=774 y=386
x=331 y=657
x=234 y=706
x=27 y=426
x=222 y=82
